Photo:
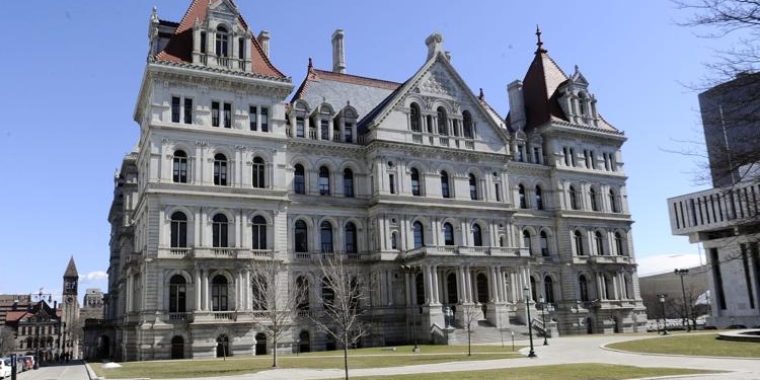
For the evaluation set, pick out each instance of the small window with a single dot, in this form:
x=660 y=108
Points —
x=614 y=202
x=264 y=119
x=220 y=170
x=619 y=244
x=214 y=114
x=222 y=42
x=203 y=42
x=326 y=237
x=583 y=287
x=179 y=167
x=241 y=48
x=324 y=181
x=497 y=191
x=324 y=125
x=594 y=204
x=350 y=237
x=520 y=153
x=300 y=127
x=573 y=198
x=537 y=155
x=259 y=170
x=299 y=180
x=394 y=241
x=175 y=109
x=415 y=174
x=178 y=230
x=253 y=113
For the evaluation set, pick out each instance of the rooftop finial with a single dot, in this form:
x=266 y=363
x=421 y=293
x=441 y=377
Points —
x=310 y=65
x=482 y=96
x=540 y=43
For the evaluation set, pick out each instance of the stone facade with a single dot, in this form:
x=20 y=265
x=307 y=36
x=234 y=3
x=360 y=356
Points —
x=442 y=202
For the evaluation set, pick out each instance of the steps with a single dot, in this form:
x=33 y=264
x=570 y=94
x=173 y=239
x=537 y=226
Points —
x=485 y=333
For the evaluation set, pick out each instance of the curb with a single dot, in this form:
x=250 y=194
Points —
x=91 y=373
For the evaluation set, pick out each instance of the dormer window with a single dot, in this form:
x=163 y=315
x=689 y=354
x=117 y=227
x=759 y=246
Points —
x=414 y=118
x=222 y=42
x=582 y=104
x=442 y=121
x=467 y=124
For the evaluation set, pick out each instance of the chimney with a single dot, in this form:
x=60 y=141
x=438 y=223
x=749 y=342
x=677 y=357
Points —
x=516 y=105
x=339 y=59
x=435 y=44
x=263 y=40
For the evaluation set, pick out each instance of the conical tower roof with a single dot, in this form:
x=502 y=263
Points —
x=71 y=269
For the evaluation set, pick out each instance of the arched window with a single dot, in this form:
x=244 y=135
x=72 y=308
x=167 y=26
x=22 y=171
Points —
x=394 y=241
x=220 y=170
x=177 y=294
x=573 y=198
x=544 y=240
x=219 y=293
x=259 y=229
x=178 y=230
x=613 y=202
x=583 y=285
x=302 y=284
x=594 y=204
x=477 y=235
x=328 y=294
x=179 y=167
x=445 y=184
x=219 y=231
x=350 y=238
x=533 y=289
x=415 y=182
x=222 y=42
x=326 y=236
x=549 y=289
x=481 y=285
x=419 y=235
x=578 y=240
x=415 y=118
x=501 y=241
x=467 y=124
x=258 y=173
x=259 y=292
x=619 y=244
x=521 y=194
x=348 y=183
x=609 y=287
x=443 y=121
x=539 y=198
x=599 y=242
x=324 y=181
x=527 y=241
x=299 y=180
x=448 y=234
x=301 y=236
x=473 y=187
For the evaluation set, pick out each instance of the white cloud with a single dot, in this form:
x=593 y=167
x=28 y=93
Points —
x=97 y=275
x=667 y=263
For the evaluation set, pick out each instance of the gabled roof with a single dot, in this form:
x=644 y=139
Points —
x=338 y=89
x=71 y=269
x=179 y=49
x=491 y=111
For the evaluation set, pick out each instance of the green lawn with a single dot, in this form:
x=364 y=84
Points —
x=363 y=358
x=691 y=344
x=565 y=372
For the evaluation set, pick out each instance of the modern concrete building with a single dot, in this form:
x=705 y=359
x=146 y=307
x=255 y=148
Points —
x=726 y=219
x=445 y=204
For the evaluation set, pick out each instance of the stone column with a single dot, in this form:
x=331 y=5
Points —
x=436 y=294
x=198 y=289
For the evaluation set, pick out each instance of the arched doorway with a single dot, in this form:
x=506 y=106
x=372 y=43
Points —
x=451 y=288
x=178 y=347
x=482 y=285
x=104 y=347
x=304 y=344
x=589 y=326
x=616 y=327
x=223 y=346
x=261 y=344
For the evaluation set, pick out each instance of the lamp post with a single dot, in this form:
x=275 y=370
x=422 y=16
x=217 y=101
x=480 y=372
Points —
x=298 y=346
x=543 y=317
x=664 y=317
x=526 y=295
x=684 y=272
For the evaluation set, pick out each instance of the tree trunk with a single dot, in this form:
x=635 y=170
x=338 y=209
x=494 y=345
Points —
x=274 y=351
x=345 y=352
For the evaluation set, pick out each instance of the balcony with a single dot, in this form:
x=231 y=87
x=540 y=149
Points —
x=714 y=209
x=315 y=257
x=610 y=259
x=457 y=250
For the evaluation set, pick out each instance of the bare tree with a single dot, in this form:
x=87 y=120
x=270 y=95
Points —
x=7 y=340
x=345 y=293
x=274 y=300
x=470 y=314
x=690 y=310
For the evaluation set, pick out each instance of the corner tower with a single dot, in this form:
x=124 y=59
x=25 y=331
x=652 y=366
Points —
x=70 y=311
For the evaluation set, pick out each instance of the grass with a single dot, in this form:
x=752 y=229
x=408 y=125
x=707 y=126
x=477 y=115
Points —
x=565 y=372
x=692 y=345
x=362 y=358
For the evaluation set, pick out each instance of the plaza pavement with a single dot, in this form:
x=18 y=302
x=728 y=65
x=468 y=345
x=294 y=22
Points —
x=566 y=350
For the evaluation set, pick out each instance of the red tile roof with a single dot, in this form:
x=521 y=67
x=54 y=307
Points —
x=539 y=88
x=179 y=49
x=15 y=316
x=318 y=75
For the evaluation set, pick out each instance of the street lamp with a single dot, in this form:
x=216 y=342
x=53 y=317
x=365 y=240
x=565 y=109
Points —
x=684 y=272
x=664 y=318
x=526 y=295
x=543 y=317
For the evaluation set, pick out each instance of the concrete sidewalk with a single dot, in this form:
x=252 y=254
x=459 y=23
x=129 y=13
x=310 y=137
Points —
x=72 y=371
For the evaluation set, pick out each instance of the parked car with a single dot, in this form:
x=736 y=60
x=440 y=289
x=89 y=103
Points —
x=5 y=368
x=28 y=362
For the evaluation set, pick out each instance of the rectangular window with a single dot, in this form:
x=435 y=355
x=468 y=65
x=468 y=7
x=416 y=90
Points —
x=175 y=109
x=214 y=114
x=498 y=192
x=264 y=119
x=536 y=155
x=203 y=42
x=252 y=116
x=613 y=165
x=586 y=158
x=300 y=127
x=348 y=133
x=567 y=157
x=188 y=111
x=572 y=157
x=324 y=125
x=606 y=161
x=392 y=183
x=241 y=48
x=520 y=157
x=227 y=115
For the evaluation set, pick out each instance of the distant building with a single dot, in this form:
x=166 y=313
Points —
x=696 y=286
x=13 y=302
x=37 y=329
x=726 y=219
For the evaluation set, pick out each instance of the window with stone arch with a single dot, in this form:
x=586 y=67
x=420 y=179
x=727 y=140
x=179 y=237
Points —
x=259 y=232
x=394 y=240
x=222 y=42
x=415 y=174
x=544 y=242
x=619 y=244
x=467 y=124
x=177 y=294
x=219 y=293
x=179 y=167
x=324 y=180
x=443 y=122
x=258 y=173
x=448 y=234
x=573 y=198
x=527 y=241
x=477 y=235
x=326 y=237
x=578 y=243
x=415 y=118
x=299 y=180
x=178 y=230
x=418 y=234
x=593 y=198
x=583 y=288
x=599 y=242
x=301 y=237
x=548 y=289
x=445 y=190
x=220 y=170
x=473 y=187
x=613 y=201
x=350 y=238
x=348 y=183
x=521 y=195
x=539 y=198
x=219 y=231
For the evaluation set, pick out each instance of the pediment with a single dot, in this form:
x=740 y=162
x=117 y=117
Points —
x=223 y=6
x=438 y=82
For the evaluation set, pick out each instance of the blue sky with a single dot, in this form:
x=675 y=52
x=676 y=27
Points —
x=71 y=72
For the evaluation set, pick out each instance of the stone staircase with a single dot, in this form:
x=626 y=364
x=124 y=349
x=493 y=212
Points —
x=485 y=333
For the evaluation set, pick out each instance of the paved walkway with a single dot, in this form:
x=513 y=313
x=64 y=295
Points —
x=567 y=350
x=71 y=371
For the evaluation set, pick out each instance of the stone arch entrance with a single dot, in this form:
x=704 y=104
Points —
x=482 y=288
x=304 y=344
x=261 y=344
x=104 y=347
x=223 y=346
x=589 y=326
x=178 y=347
